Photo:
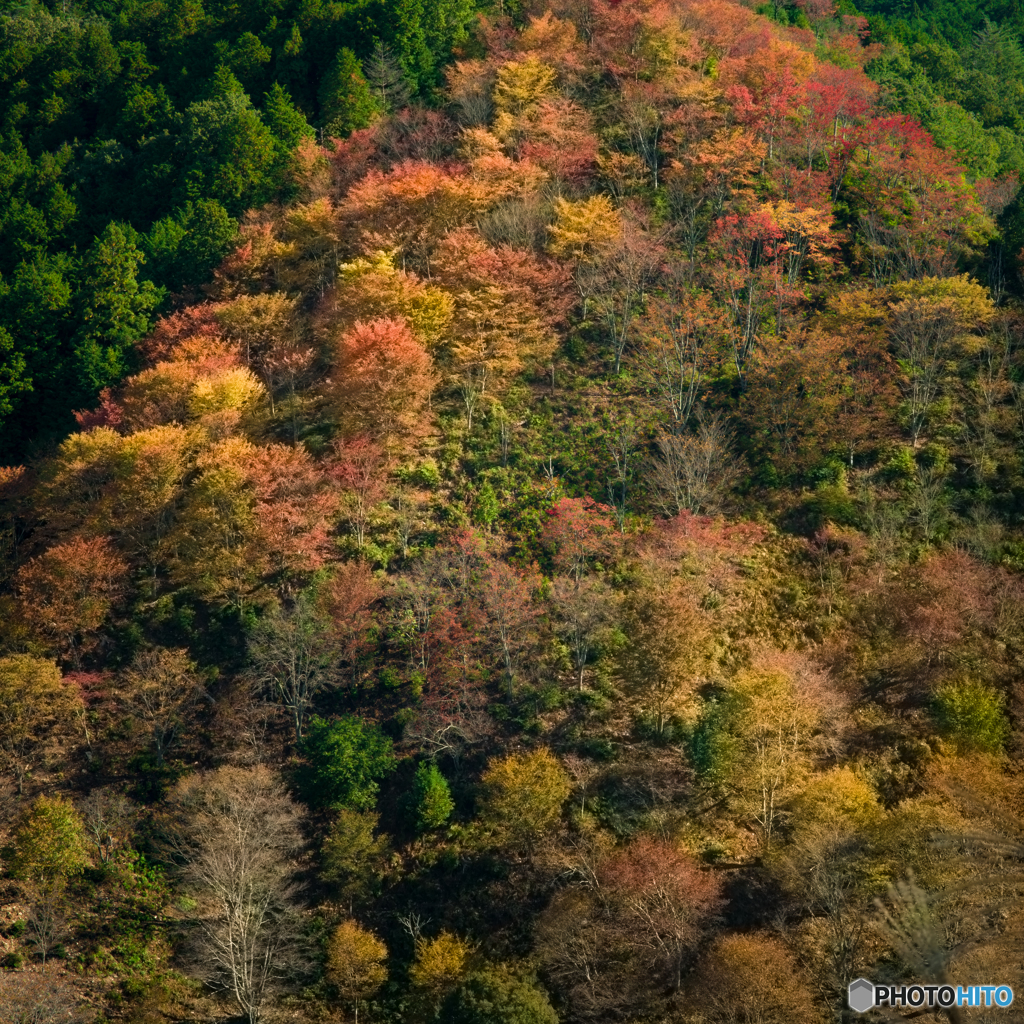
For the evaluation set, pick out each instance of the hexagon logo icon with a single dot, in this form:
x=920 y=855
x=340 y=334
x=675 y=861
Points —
x=861 y=994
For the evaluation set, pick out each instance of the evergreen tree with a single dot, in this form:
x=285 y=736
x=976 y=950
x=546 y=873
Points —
x=387 y=78
x=38 y=306
x=228 y=153
x=182 y=248
x=490 y=997
x=431 y=797
x=346 y=102
x=287 y=124
x=14 y=378
x=346 y=758
x=114 y=308
x=487 y=507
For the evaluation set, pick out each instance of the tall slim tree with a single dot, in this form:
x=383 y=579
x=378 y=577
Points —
x=160 y=691
x=387 y=78
x=347 y=100
x=115 y=308
x=668 y=639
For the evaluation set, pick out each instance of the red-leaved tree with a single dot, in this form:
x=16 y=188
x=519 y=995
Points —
x=666 y=898
x=506 y=596
x=361 y=468
x=577 y=530
x=348 y=600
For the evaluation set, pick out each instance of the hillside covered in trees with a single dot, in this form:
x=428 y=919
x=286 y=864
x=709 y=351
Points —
x=510 y=516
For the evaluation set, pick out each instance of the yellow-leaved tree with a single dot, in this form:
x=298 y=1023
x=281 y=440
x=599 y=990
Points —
x=781 y=705
x=373 y=287
x=523 y=796
x=356 y=962
x=519 y=90
x=440 y=963
x=669 y=644
x=752 y=979
x=34 y=702
x=931 y=322
x=584 y=234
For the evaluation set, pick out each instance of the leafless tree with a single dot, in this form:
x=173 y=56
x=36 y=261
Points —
x=290 y=370
x=160 y=692
x=583 y=772
x=470 y=94
x=48 y=923
x=585 y=608
x=414 y=925
x=911 y=928
x=572 y=942
x=674 y=357
x=825 y=868
x=520 y=222
x=10 y=799
x=928 y=503
x=32 y=997
x=470 y=385
x=109 y=818
x=233 y=833
x=643 y=126
x=695 y=472
x=885 y=517
x=255 y=719
x=409 y=518
x=621 y=443
x=294 y=655
x=627 y=273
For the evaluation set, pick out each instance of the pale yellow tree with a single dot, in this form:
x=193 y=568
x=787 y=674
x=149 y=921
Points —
x=782 y=706
x=520 y=88
x=35 y=702
x=373 y=287
x=584 y=234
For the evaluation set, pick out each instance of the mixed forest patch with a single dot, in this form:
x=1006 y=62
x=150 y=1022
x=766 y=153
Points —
x=548 y=547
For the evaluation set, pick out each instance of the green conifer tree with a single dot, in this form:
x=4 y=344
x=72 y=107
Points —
x=287 y=124
x=346 y=102
x=432 y=799
x=387 y=78
x=115 y=308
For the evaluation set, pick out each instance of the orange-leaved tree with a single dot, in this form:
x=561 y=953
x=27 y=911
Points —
x=507 y=306
x=382 y=382
x=67 y=592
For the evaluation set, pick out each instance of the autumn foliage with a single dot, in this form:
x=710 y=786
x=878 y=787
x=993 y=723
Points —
x=384 y=380
x=625 y=448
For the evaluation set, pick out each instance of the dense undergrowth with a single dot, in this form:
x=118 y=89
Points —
x=565 y=565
